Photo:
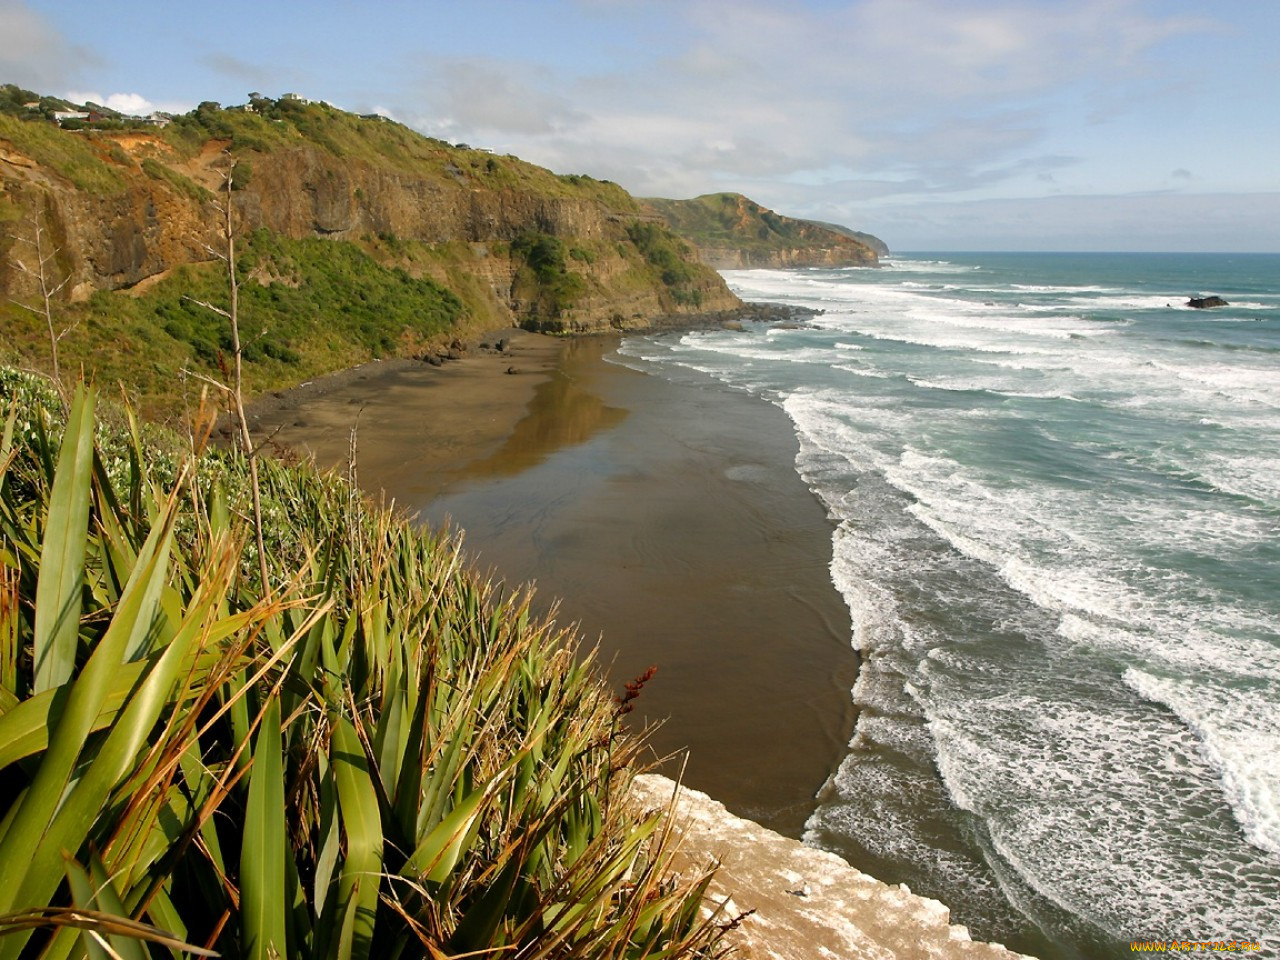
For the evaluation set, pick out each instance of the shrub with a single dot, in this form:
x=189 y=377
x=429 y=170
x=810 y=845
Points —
x=555 y=288
x=378 y=754
x=669 y=256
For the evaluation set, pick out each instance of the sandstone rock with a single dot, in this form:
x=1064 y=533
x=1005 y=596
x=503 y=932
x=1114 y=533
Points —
x=805 y=903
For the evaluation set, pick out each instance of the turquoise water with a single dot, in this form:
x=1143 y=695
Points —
x=1056 y=498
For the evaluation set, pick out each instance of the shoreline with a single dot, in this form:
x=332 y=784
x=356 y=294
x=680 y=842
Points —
x=481 y=394
x=666 y=524
x=669 y=525
x=618 y=492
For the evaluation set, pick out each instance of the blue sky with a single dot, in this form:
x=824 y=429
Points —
x=934 y=124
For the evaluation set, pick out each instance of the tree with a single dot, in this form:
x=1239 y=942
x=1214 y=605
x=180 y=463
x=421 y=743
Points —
x=43 y=273
x=235 y=390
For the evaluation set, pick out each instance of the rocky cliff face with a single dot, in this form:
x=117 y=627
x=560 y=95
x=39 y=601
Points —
x=788 y=258
x=125 y=207
x=732 y=232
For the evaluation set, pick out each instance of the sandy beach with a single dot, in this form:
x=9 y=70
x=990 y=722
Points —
x=666 y=521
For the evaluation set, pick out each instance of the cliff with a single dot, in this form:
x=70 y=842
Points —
x=732 y=232
x=128 y=213
x=798 y=902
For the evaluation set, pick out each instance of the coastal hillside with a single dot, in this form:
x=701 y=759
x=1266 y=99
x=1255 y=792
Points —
x=357 y=238
x=733 y=232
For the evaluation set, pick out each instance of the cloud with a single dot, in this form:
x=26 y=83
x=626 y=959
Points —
x=1227 y=223
x=132 y=104
x=251 y=75
x=953 y=96
x=1182 y=173
x=32 y=51
x=487 y=97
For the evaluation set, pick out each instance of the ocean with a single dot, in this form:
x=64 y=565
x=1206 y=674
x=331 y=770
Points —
x=1055 y=498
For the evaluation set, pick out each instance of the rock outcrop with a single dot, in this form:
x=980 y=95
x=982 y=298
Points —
x=124 y=206
x=1203 y=303
x=732 y=232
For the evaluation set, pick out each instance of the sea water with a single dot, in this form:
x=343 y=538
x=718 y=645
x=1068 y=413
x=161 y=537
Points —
x=1055 y=494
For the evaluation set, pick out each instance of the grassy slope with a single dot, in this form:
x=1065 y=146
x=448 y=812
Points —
x=326 y=306
x=382 y=143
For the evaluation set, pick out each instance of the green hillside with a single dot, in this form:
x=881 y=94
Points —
x=358 y=238
x=732 y=230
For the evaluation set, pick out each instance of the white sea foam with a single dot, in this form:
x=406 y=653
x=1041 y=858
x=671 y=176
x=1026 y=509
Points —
x=928 y=266
x=1126 y=301
x=1091 y=808
x=1239 y=731
x=1056 y=527
x=1046 y=288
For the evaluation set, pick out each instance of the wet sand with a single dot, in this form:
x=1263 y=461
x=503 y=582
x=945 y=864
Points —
x=667 y=520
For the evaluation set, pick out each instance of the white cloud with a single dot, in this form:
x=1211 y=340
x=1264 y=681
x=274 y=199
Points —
x=131 y=104
x=950 y=96
x=494 y=97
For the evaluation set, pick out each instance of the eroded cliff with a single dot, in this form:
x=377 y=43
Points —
x=124 y=222
x=732 y=232
x=124 y=206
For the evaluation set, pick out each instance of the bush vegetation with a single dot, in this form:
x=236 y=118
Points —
x=375 y=754
x=78 y=158
x=156 y=170
x=671 y=257
x=546 y=279
x=307 y=307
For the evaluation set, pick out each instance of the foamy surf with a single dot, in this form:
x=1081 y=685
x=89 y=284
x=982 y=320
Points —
x=1056 y=510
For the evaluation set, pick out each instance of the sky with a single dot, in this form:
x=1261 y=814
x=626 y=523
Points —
x=1128 y=125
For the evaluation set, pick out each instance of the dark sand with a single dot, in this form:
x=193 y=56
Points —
x=667 y=519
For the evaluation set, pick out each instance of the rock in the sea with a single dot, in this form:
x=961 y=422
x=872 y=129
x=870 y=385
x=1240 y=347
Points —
x=1201 y=303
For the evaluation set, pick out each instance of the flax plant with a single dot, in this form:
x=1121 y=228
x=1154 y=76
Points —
x=387 y=756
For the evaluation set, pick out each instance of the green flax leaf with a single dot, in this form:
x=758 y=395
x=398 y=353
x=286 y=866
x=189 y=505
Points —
x=262 y=893
x=361 y=870
x=59 y=593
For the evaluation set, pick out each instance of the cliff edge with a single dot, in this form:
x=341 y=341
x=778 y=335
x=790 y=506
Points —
x=803 y=903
